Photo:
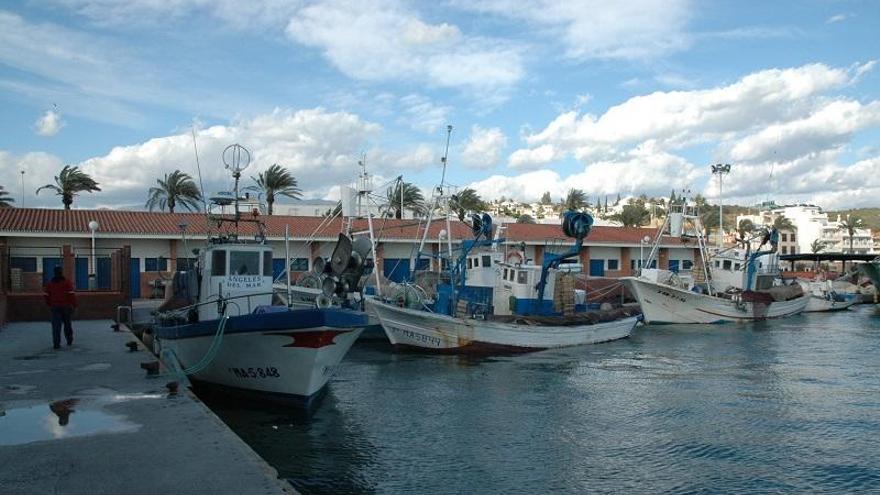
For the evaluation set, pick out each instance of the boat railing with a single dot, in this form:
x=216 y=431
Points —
x=225 y=299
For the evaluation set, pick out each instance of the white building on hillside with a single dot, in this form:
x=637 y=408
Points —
x=812 y=225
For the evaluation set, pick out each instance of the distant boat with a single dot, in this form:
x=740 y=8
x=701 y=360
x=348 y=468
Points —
x=724 y=285
x=824 y=299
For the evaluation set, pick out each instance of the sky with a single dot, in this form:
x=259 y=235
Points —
x=633 y=97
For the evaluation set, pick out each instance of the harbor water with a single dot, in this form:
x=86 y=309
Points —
x=787 y=406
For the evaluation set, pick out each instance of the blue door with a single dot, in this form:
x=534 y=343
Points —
x=597 y=268
x=103 y=273
x=49 y=265
x=135 y=278
x=277 y=268
x=81 y=273
x=673 y=266
x=396 y=269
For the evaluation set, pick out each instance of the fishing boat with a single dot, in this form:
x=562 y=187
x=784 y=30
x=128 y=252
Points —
x=871 y=270
x=823 y=297
x=222 y=329
x=528 y=307
x=724 y=285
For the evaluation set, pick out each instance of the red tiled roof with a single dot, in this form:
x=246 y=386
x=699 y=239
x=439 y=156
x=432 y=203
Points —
x=50 y=221
x=530 y=232
x=36 y=220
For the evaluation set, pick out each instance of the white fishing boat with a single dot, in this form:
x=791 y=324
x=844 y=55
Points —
x=724 y=285
x=222 y=329
x=823 y=297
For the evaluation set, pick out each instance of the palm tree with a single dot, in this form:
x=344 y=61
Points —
x=407 y=196
x=5 y=199
x=178 y=188
x=816 y=247
x=850 y=225
x=465 y=201
x=69 y=183
x=575 y=200
x=745 y=228
x=276 y=181
x=782 y=223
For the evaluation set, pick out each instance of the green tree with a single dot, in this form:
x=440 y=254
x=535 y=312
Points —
x=633 y=214
x=783 y=223
x=69 y=183
x=818 y=246
x=176 y=189
x=276 y=181
x=575 y=200
x=465 y=201
x=525 y=219
x=546 y=199
x=850 y=225
x=745 y=228
x=411 y=195
x=5 y=198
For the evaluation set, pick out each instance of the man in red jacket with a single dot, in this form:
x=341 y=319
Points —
x=61 y=300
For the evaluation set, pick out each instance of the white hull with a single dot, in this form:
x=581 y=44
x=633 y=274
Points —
x=662 y=303
x=431 y=331
x=819 y=304
x=265 y=362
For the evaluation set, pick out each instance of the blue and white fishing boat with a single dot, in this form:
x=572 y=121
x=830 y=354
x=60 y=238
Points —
x=222 y=329
x=725 y=285
x=529 y=308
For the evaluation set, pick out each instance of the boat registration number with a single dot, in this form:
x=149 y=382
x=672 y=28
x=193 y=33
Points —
x=269 y=372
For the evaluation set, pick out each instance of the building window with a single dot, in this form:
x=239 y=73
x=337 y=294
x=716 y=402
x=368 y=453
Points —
x=687 y=264
x=155 y=264
x=613 y=265
x=299 y=265
x=23 y=263
x=184 y=264
x=792 y=238
x=784 y=249
x=784 y=237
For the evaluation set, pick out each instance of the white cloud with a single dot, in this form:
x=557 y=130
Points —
x=383 y=41
x=837 y=18
x=39 y=168
x=423 y=114
x=49 y=123
x=483 y=147
x=602 y=29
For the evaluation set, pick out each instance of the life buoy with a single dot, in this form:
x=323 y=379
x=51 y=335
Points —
x=515 y=255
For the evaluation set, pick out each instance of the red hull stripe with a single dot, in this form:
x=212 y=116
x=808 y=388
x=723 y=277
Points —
x=313 y=340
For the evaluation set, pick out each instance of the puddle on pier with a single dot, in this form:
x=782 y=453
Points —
x=68 y=418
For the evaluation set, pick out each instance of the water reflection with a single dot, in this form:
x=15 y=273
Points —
x=779 y=406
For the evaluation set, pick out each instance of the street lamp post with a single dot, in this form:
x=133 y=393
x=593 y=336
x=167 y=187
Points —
x=22 y=188
x=642 y=242
x=721 y=169
x=93 y=226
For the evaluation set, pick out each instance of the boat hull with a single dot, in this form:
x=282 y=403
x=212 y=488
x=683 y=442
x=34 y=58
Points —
x=414 y=329
x=665 y=304
x=286 y=357
x=818 y=304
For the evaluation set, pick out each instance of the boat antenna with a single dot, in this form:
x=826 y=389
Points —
x=199 y=169
x=445 y=156
x=236 y=158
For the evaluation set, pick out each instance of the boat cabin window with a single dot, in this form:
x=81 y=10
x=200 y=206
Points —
x=521 y=277
x=218 y=263
x=244 y=262
x=727 y=264
x=505 y=274
x=487 y=261
x=736 y=266
x=717 y=264
x=267 y=263
x=470 y=263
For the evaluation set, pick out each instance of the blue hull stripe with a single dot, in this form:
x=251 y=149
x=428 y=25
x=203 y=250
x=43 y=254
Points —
x=269 y=322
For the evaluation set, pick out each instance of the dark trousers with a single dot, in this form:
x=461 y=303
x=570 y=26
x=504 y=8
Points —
x=61 y=314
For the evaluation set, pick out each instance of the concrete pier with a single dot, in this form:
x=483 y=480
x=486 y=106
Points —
x=85 y=419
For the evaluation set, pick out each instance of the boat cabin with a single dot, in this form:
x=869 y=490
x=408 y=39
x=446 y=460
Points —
x=240 y=274
x=515 y=291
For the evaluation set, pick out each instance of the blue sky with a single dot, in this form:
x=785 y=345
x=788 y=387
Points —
x=611 y=97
